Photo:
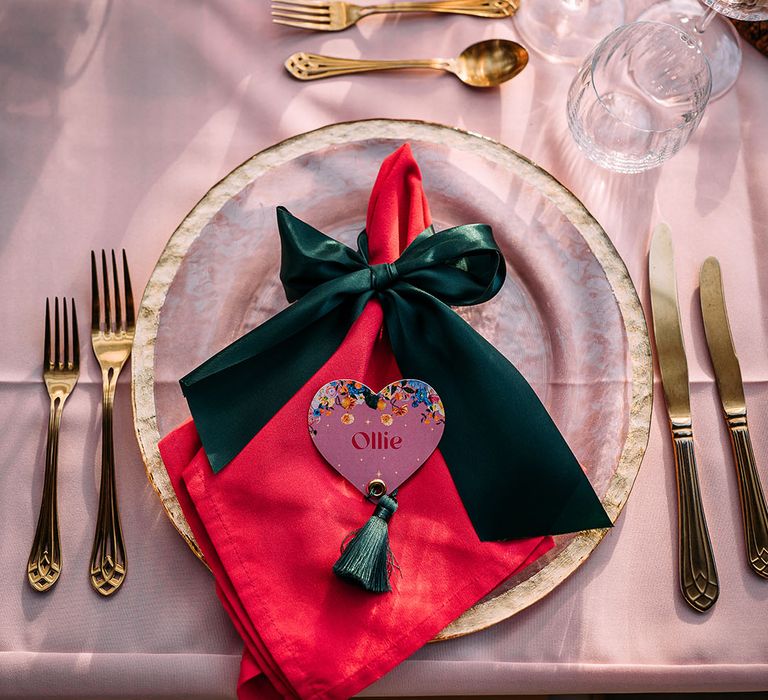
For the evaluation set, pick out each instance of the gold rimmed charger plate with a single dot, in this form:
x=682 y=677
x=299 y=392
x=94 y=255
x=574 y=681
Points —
x=545 y=233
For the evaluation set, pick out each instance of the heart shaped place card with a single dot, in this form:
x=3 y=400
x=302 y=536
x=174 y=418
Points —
x=376 y=440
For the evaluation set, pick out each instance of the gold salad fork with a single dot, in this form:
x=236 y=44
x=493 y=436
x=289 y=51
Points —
x=61 y=368
x=335 y=15
x=112 y=338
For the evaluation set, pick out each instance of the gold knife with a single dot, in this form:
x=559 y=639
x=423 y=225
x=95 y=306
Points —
x=731 y=390
x=696 y=562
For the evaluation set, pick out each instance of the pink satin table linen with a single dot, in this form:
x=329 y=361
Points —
x=116 y=117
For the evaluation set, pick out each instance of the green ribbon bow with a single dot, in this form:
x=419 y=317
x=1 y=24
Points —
x=515 y=473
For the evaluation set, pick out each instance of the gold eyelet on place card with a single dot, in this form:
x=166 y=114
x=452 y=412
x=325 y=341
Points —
x=376 y=488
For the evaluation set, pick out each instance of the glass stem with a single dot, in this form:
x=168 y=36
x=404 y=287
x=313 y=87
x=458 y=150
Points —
x=704 y=21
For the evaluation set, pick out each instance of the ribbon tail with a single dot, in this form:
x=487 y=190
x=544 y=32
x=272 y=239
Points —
x=513 y=469
x=235 y=393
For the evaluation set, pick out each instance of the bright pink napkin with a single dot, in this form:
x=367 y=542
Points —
x=271 y=523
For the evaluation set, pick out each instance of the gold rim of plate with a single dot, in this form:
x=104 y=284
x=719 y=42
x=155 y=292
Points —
x=527 y=592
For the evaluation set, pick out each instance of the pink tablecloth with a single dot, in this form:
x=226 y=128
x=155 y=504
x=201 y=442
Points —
x=115 y=117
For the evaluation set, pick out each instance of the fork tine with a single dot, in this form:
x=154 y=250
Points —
x=56 y=333
x=322 y=4
x=307 y=9
x=75 y=339
x=66 y=334
x=95 y=309
x=105 y=285
x=319 y=19
x=47 y=350
x=130 y=320
x=118 y=309
x=314 y=26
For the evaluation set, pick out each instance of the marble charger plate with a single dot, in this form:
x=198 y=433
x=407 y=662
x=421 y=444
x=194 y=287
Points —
x=568 y=316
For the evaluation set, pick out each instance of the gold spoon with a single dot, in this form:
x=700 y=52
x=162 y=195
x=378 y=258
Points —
x=485 y=64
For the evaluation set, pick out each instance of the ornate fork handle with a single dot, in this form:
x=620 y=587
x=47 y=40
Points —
x=310 y=66
x=476 y=8
x=753 y=508
x=44 y=565
x=698 y=575
x=108 y=560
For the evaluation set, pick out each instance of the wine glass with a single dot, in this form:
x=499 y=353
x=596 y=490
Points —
x=638 y=96
x=567 y=30
x=717 y=37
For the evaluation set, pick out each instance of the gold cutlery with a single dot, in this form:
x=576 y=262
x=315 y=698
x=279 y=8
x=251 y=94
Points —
x=485 y=64
x=696 y=562
x=333 y=16
x=729 y=385
x=61 y=368
x=112 y=338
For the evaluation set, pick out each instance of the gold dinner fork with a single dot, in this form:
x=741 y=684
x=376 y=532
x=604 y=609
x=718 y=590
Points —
x=60 y=372
x=112 y=338
x=335 y=15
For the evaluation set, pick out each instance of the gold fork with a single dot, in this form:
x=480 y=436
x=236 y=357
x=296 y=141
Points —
x=60 y=373
x=112 y=338
x=335 y=15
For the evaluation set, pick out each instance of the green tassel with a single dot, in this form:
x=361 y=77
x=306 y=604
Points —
x=366 y=559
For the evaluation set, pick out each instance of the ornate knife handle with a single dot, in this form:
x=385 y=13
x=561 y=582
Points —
x=476 y=8
x=108 y=561
x=44 y=564
x=311 y=66
x=753 y=508
x=698 y=575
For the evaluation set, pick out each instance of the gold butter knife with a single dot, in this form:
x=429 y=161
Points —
x=729 y=385
x=696 y=562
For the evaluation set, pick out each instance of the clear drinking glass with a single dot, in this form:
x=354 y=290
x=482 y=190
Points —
x=716 y=36
x=567 y=30
x=638 y=96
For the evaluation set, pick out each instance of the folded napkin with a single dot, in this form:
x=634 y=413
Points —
x=271 y=523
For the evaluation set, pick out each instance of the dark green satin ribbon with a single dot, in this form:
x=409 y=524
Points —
x=515 y=473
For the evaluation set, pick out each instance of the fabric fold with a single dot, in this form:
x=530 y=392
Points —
x=272 y=522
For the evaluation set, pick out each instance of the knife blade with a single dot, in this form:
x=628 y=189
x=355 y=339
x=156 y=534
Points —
x=696 y=562
x=731 y=389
